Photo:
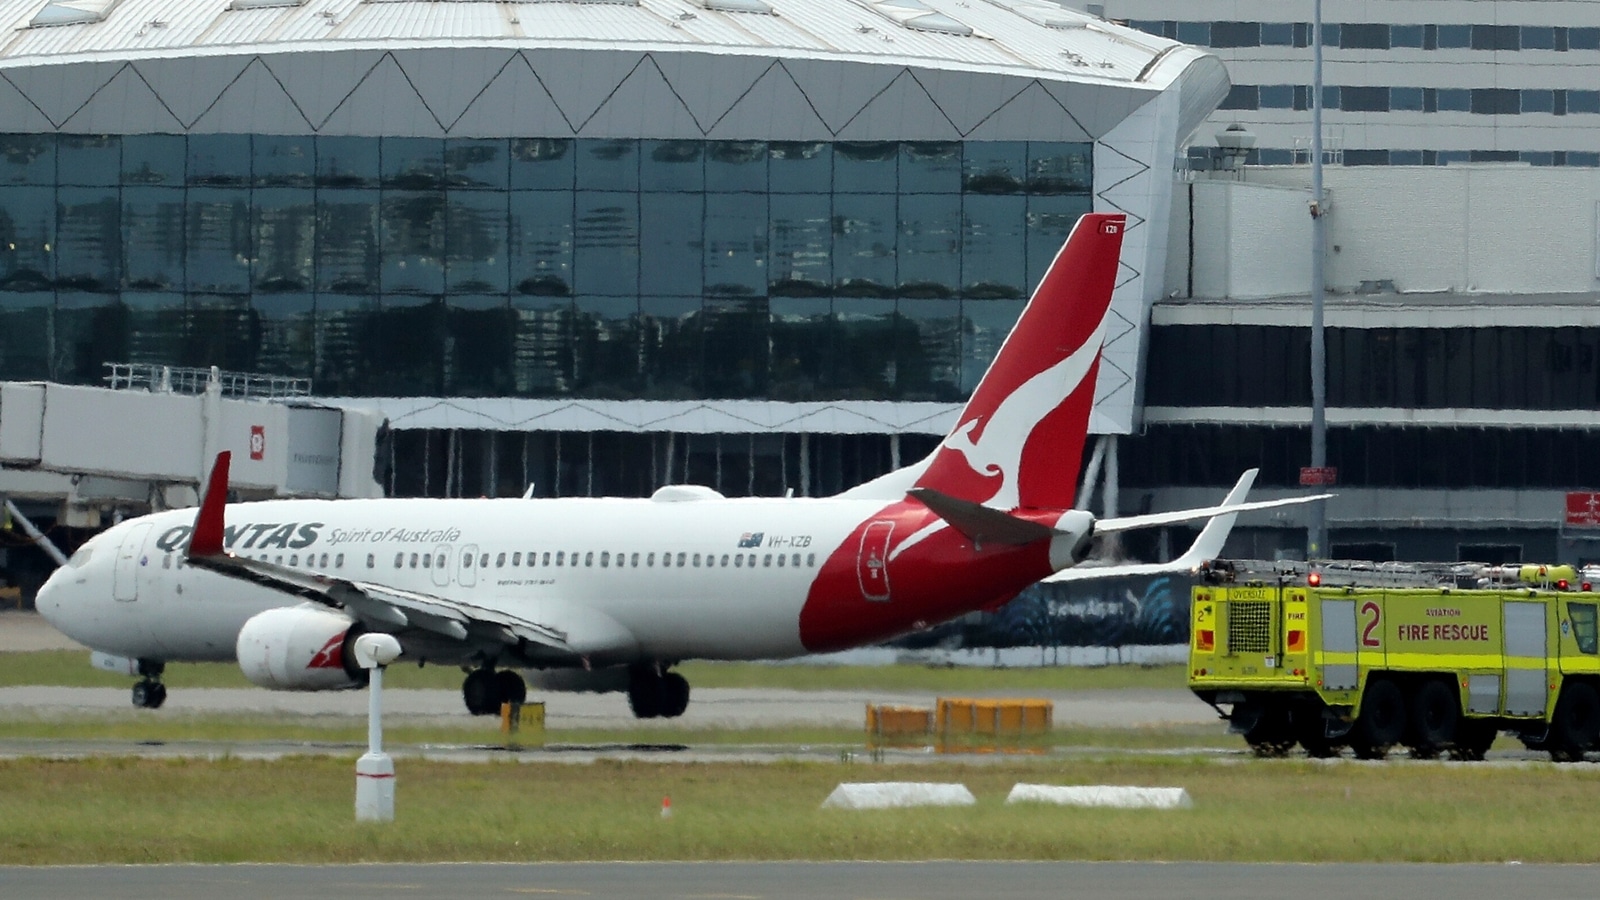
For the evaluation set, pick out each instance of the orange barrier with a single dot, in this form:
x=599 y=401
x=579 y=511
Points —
x=956 y=717
x=898 y=722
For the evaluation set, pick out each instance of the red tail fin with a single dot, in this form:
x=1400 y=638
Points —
x=206 y=539
x=1020 y=437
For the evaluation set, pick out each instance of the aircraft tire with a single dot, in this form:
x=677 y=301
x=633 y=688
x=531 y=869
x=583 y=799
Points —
x=141 y=695
x=480 y=692
x=509 y=687
x=674 y=694
x=646 y=694
x=157 y=695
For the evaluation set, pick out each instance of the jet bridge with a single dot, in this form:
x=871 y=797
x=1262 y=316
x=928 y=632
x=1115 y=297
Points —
x=79 y=457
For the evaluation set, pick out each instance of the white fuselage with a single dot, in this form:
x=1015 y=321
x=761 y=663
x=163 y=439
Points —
x=712 y=578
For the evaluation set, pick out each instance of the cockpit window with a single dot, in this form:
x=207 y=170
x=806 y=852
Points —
x=80 y=558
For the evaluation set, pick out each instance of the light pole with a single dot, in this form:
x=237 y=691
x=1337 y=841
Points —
x=375 y=770
x=1316 y=531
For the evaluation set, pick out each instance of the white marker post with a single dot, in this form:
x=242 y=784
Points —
x=375 y=770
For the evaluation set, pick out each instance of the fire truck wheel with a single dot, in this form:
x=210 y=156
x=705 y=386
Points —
x=1272 y=735
x=1312 y=732
x=1474 y=737
x=1576 y=724
x=1435 y=715
x=1382 y=720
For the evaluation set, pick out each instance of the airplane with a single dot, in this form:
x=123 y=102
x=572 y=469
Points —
x=609 y=587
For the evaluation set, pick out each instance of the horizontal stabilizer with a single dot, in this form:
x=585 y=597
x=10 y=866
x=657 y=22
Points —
x=981 y=524
x=1129 y=523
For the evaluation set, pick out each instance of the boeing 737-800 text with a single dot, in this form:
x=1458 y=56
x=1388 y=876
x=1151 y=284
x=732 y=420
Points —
x=623 y=586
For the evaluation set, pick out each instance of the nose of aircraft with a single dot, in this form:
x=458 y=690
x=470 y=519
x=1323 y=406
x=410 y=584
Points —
x=48 y=600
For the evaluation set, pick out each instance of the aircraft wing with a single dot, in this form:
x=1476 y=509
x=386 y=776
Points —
x=381 y=607
x=1207 y=546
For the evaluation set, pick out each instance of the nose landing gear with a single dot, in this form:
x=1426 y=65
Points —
x=150 y=693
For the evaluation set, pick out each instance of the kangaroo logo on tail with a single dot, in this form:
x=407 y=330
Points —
x=1019 y=440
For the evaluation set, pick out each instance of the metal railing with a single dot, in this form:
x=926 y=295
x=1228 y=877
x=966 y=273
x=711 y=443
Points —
x=180 y=380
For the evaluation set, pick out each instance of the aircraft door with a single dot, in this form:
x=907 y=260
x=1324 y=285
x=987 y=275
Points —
x=441 y=565
x=872 y=562
x=467 y=568
x=130 y=556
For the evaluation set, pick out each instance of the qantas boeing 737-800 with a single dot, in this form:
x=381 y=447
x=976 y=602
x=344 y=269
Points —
x=621 y=586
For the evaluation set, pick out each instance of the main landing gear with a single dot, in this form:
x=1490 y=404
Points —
x=654 y=693
x=150 y=693
x=485 y=689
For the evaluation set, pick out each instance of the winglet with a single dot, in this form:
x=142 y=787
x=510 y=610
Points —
x=206 y=539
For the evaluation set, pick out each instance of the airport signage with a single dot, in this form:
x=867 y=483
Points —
x=1319 y=476
x=1583 y=509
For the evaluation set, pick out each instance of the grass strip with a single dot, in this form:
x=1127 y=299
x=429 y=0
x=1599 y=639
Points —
x=70 y=668
x=300 y=810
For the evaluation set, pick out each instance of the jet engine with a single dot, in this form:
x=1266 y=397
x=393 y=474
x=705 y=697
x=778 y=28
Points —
x=300 y=648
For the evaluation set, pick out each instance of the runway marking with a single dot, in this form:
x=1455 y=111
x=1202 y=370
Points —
x=571 y=891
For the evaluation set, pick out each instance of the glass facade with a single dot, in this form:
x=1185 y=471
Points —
x=530 y=267
x=1414 y=368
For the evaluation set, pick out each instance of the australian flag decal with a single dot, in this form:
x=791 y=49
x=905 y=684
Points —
x=749 y=539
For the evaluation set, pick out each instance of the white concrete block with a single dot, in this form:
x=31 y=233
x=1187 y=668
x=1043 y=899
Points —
x=1102 y=795
x=895 y=794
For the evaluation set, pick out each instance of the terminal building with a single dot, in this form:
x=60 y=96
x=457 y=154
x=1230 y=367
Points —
x=587 y=247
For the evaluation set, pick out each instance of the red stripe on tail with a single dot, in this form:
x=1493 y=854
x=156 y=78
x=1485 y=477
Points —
x=1020 y=438
x=206 y=540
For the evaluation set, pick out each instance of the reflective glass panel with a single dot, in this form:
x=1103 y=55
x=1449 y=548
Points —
x=412 y=164
x=478 y=346
x=862 y=362
x=89 y=159
x=219 y=331
x=404 y=342
x=735 y=336
x=346 y=162
x=155 y=328
x=928 y=351
x=153 y=159
x=542 y=164
x=1058 y=168
x=477 y=164
x=984 y=326
x=605 y=347
x=152 y=238
x=411 y=233
x=476 y=242
x=670 y=347
x=219 y=160
x=801 y=234
x=994 y=167
x=606 y=250
x=864 y=232
x=89 y=240
x=672 y=166
x=27 y=238
x=25 y=337
x=284 y=160
x=930 y=167
x=800 y=167
x=541 y=243
x=287 y=328
x=541 y=345
x=285 y=240
x=90 y=329
x=347 y=241
x=341 y=338
x=27 y=159
x=672 y=256
x=866 y=167
x=736 y=244
x=218 y=257
x=992 y=241
x=801 y=332
x=608 y=165
x=1050 y=220
x=733 y=166
x=930 y=245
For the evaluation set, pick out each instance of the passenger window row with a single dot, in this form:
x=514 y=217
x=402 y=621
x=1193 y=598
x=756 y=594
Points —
x=605 y=559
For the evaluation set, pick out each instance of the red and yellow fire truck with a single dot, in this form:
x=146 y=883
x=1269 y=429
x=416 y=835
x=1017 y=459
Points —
x=1434 y=658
